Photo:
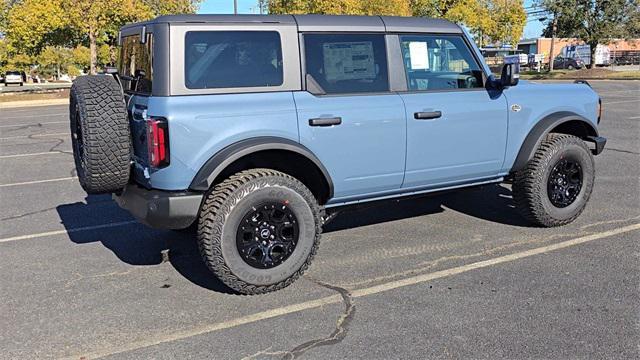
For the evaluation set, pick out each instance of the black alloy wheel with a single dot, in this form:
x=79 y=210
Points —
x=267 y=235
x=565 y=183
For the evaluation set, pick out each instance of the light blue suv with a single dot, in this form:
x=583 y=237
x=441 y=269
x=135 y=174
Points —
x=255 y=129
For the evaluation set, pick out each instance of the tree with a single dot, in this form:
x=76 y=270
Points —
x=593 y=21
x=81 y=56
x=491 y=20
x=55 y=57
x=343 y=7
x=33 y=24
x=100 y=20
x=496 y=20
x=95 y=17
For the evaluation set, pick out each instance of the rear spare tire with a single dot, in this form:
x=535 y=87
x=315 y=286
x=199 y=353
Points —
x=100 y=134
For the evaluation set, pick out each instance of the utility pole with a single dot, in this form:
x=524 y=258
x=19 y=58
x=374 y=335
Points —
x=235 y=7
x=554 y=28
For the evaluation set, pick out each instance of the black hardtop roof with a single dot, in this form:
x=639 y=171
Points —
x=317 y=22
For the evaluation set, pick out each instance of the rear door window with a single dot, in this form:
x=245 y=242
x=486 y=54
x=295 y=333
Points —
x=136 y=64
x=232 y=59
x=347 y=63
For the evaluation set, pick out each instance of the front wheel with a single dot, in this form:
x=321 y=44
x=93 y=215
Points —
x=259 y=230
x=554 y=187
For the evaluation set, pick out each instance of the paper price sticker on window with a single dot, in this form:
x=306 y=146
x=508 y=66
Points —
x=419 y=54
x=349 y=61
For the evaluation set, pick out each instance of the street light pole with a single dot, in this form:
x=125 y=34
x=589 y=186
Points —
x=235 y=7
x=554 y=27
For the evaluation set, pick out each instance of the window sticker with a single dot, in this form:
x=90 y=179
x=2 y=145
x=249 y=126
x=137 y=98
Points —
x=419 y=55
x=349 y=61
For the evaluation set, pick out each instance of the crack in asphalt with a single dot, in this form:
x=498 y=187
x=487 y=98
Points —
x=622 y=151
x=23 y=127
x=338 y=334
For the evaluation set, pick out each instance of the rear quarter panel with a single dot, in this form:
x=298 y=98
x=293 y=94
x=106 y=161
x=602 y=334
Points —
x=202 y=125
x=540 y=100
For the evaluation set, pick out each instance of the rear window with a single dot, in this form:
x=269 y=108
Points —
x=136 y=64
x=232 y=59
x=13 y=73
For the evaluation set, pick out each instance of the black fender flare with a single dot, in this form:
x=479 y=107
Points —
x=541 y=129
x=223 y=158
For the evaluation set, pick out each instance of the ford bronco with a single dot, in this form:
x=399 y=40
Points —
x=255 y=129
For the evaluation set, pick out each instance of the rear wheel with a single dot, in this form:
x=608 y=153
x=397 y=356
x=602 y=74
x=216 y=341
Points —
x=259 y=230
x=555 y=186
x=100 y=134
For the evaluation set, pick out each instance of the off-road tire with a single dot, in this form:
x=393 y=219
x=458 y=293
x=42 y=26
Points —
x=100 y=134
x=224 y=207
x=530 y=184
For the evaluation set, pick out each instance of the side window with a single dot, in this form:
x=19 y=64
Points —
x=347 y=63
x=136 y=61
x=439 y=62
x=232 y=59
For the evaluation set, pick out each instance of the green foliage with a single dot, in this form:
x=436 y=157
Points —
x=594 y=21
x=491 y=20
x=31 y=26
x=80 y=56
x=344 y=7
x=72 y=70
x=55 y=58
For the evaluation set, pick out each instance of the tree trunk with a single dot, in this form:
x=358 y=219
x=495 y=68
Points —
x=93 y=49
x=593 y=49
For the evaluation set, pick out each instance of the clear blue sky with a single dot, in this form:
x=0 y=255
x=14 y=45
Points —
x=533 y=28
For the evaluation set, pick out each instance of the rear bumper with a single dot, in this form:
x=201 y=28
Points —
x=160 y=209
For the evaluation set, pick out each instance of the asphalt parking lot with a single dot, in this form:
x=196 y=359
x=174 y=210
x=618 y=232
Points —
x=456 y=275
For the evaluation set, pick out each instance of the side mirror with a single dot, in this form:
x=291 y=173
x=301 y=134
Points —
x=510 y=75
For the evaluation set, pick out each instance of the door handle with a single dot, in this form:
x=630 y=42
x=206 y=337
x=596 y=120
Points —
x=427 y=115
x=325 y=121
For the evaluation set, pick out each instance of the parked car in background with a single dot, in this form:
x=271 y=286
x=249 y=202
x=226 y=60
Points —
x=13 y=77
x=561 y=62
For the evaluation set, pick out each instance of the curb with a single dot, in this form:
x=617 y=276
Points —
x=32 y=103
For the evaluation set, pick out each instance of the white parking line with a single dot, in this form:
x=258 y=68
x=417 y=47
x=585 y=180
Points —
x=621 y=102
x=36 y=124
x=163 y=337
x=33 y=116
x=33 y=154
x=31 y=108
x=69 y=231
x=38 y=181
x=33 y=136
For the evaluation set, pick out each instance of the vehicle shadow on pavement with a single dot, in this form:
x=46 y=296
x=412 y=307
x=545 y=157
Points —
x=138 y=245
x=490 y=202
x=134 y=243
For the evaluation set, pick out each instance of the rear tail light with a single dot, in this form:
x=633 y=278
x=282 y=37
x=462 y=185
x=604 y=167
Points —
x=158 y=142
